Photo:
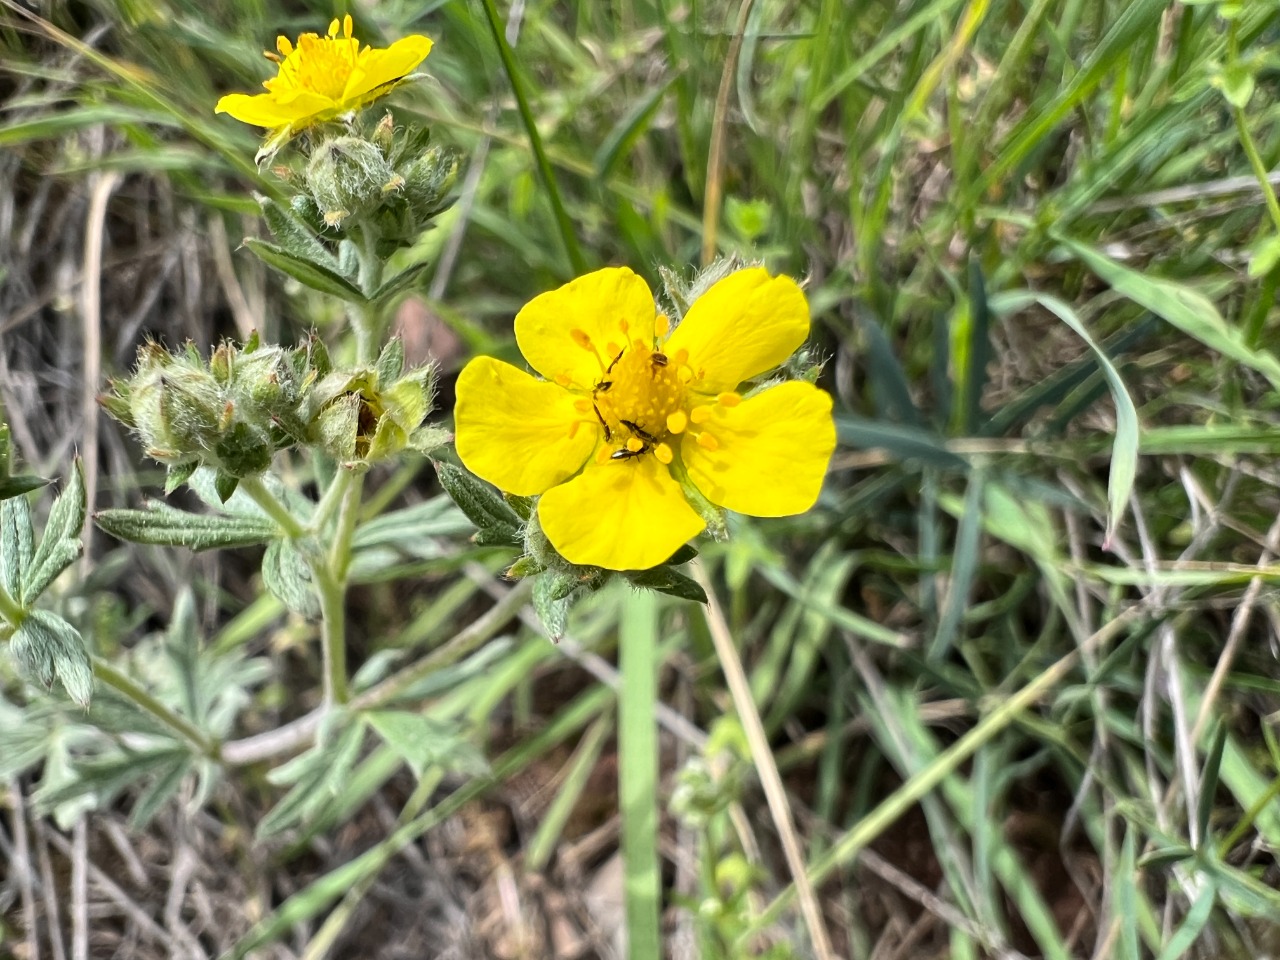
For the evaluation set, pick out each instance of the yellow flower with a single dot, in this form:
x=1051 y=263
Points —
x=322 y=78
x=629 y=407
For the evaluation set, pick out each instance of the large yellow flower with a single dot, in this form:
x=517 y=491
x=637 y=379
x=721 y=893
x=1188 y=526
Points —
x=630 y=407
x=322 y=78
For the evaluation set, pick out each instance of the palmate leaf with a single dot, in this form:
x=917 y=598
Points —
x=60 y=544
x=47 y=647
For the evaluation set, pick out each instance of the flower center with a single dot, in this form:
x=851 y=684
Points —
x=321 y=65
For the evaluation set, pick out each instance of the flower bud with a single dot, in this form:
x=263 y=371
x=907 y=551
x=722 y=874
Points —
x=347 y=177
x=177 y=411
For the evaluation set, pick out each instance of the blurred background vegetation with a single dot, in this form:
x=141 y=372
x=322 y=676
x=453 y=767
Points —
x=1017 y=668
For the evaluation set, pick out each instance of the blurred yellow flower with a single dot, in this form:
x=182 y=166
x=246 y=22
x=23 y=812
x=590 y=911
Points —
x=322 y=78
x=630 y=407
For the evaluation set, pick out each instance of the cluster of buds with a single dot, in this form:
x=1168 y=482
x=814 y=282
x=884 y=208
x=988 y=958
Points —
x=390 y=182
x=235 y=412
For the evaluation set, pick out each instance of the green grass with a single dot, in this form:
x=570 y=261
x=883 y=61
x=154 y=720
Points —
x=995 y=655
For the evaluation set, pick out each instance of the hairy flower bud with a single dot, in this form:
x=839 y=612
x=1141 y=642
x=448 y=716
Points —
x=177 y=411
x=348 y=177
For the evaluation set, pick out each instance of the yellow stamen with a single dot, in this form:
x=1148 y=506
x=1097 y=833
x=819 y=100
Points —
x=603 y=455
x=582 y=339
x=680 y=357
x=635 y=444
x=284 y=45
x=663 y=453
x=573 y=428
x=729 y=399
x=582 y=405
x=700 y=414
x=333 y=27
x=707 y=442
x=677 y=421
x=564 y=379
x=661 y=326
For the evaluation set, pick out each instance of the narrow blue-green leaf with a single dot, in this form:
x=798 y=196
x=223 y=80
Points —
x=313 y=275
x=1189 y=930
x=638 y=774
x=1187 y=309
x=1124 y=448
x=1126 y=894
x=629 y=129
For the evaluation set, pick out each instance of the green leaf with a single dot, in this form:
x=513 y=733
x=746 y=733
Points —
x=1179 y=945
x=48 y=646
x=1124 y=448
x=17 y=486
x=1266 y=254
x=161 y=524
x=313 y=275
x=481 y=503
x=295 y=237
x=402 y=281
x=1187 y=309
x=60 y=543
x=1236 y=81
x=665 y=580
x=422 y=742
x=16 y=544
x=1209 y=781
x=286 y=573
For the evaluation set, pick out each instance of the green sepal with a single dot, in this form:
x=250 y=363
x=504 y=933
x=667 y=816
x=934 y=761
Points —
x=480 y=502
x=427 y=440
x=683 y=555
x=179 y=474
x=523 y=506
x=313 y=275
x=47 y=646
x=526 y=566
x=163 y=525
x=390 y=363
x=551 y=604
x=225 y=484
x=668 y=581
x=294 y=236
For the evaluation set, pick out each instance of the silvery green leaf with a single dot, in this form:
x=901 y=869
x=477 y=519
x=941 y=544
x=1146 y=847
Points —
x=286 y=573
x=161 y=524
x=60 y=543
x=15 y=544
x=48 y=646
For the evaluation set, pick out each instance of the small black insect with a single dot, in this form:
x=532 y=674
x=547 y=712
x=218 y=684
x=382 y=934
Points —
x=658 y=359
x=609 y=369
x=638 y=431
x=608 y=434
x=625 y=454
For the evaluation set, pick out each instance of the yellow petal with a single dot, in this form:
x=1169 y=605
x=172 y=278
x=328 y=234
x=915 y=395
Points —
x=377 y=67
x=747 y=323
x=771 y=451
x=518 y=432
x=609 y=306
x=620 y=514
x=266 y=109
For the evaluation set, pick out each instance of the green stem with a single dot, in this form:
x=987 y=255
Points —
x=272 y=507
x=348 y=515
x=126 y=687
x=638 y=774
x=333 y=641
x=10 y=609
x=1259 y=168
x=563 y=222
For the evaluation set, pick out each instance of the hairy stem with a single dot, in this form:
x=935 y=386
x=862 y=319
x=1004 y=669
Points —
x=272 y=507
x=126 y=687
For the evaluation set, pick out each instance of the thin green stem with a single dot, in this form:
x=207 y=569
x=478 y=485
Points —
x=332 y=498
x=127 y=688
x=333 y=639
x=10 y=609
x=1259 y=168
x=563 y=222
x=348 y=516
x=638 y=774
x=272 y=506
